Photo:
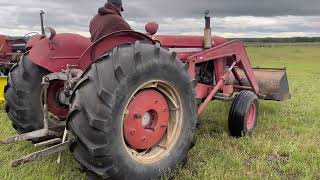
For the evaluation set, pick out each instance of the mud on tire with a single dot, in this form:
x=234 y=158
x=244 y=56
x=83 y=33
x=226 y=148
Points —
x=99 y=104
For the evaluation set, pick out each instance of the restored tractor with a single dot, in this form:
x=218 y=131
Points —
x=127 y=105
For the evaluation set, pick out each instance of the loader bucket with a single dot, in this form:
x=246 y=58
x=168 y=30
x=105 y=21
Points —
x=272 y=82
x=3 y=83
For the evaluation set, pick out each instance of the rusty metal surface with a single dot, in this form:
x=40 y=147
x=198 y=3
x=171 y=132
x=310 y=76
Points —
x=272 y=82
x=48 y=143
x=41 y=154
x=29 y=136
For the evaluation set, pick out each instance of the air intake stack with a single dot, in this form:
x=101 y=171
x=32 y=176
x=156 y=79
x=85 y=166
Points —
x=207 y=30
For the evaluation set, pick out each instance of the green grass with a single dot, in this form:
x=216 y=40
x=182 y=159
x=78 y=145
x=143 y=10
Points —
x=286 y=144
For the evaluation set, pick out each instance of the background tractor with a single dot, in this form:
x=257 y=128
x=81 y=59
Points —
x=127 y=105
x=11 y=49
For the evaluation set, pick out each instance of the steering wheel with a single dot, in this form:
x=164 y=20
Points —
x=29 y=35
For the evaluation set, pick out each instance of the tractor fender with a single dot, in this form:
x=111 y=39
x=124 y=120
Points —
x=108 y=42
x=55 y=54
x=33 y=41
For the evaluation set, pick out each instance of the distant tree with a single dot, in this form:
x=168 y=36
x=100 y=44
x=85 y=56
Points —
x=281 y=40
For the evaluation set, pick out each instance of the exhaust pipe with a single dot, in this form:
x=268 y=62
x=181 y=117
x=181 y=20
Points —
x=41 y=21
x=207 y=31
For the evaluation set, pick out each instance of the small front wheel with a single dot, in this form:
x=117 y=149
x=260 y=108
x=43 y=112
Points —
x=243 y=114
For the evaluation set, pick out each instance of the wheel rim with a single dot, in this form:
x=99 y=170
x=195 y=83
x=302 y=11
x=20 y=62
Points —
x=251 y=117
x=152 y=121
x=54 y=107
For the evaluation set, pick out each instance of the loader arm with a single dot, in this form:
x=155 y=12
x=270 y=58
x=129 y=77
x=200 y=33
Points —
x=228 y=49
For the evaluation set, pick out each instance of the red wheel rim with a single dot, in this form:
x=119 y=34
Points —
x=146 y=120
x=57 y=109
x=251 y=116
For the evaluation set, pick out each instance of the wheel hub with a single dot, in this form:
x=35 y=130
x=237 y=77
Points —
x=146 y=120
x=54 y=106
x=251 y=117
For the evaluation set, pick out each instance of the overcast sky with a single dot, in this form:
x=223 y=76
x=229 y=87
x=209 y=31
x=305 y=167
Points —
x=231 y=18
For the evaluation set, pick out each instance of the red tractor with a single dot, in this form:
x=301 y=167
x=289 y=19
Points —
x=12 y=47
x=10 y=50
x=127 y=105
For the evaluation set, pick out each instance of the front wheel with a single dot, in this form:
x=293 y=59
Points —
x=134 y=114
x=243 y=114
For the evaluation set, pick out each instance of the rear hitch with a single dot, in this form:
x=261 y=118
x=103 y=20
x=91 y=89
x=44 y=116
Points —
x=45 y=131
x=29 y=136
x=41 y=154
x=60 y=141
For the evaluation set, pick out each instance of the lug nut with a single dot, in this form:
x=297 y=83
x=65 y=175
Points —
x=133 y=132
x=137 y=116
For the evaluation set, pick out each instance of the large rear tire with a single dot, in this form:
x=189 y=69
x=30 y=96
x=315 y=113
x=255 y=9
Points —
x=23 y=94
x=103 y=112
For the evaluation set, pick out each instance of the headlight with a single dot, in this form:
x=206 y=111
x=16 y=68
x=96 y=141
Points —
x=49 y=33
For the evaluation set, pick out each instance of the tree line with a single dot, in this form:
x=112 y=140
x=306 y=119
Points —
x=281 y=40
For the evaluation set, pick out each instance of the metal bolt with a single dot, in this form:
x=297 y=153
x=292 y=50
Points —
x=137 y=116
x=133 y=132
x=143 y=139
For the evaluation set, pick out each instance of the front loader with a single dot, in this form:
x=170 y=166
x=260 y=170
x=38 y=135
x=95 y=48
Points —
x=127 y=105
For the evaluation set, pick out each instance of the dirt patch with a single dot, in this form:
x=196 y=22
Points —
x=282 y=158
x=248 y=162
x=277 y=161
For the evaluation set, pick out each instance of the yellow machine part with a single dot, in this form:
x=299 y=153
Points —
x=3 y=83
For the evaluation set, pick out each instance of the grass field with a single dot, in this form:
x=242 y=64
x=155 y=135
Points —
x=286 y=144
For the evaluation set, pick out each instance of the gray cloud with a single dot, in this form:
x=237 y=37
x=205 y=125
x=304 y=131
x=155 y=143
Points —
x=231 y=17
x=192 y=8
